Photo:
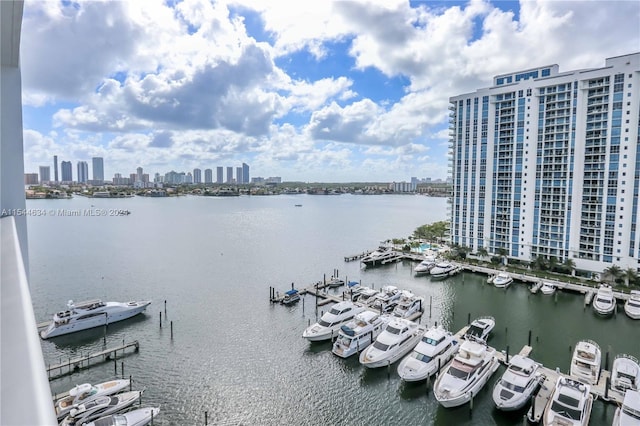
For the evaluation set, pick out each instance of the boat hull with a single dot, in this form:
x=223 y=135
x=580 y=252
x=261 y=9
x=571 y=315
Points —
x=632 y=313
x=457 y=398
x=395 y=356
x=410 y=374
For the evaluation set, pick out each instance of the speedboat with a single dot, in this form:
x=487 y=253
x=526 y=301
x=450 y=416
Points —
x=354 y=288
x=335 y=282
x=547 y=288
x=632 y=305
x=398 y=338
x=480 y=328
x=604 y=303
x=585 y=364
x=89 y=314
x=629 y=413
x=442 y=269
x=434 y=350
x=359 y=333
x=290 y=297
x=366 y=295
x=425 y=266
x=518 y=383
x=139 y=417
x=466 y=374
x=387 y=299
x=570 y=404
x=625 y=373
x=100 y=407
x=331 y=321
x=408 y=305
x=380 y=256
x=86 y=392
x=502 y=280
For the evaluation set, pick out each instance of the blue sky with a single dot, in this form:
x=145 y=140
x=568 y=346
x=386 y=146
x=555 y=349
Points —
x=309 y=91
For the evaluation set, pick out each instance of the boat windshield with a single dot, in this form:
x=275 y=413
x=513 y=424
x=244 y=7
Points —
x=381 y=346
x=393 y=330
x=324 y=323
x=430 y=341
x=634 y=303
x=335 y=311
x=605 y=301
x=566 y=411
x=344 y=340
x=421 y=357
x=474 y=330
x=508 y=385
x=631 y=412
x=458 y=373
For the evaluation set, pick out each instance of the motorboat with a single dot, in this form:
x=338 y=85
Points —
x=354 y=288
x=86 y=392
x=466 y=374
x=480 y=328
x=570 y=404
x=585 y=364
x=387 y=299
x=89 y=314
x=382 y=255
x=425 y=266
x=290 y=297
x=629 y=413
x=604 y=303
x=436 y=347
x=330 y=323
x=632 y=305
x=359 y=333
x=139 y=417
x=519 y=381
x=399 y=337
x=335 y=282
x=502 y=280
x=442 y=269
x=547 y=288
x=625 y=373
x=366 y=295
x=100 y=407
x=408 y=305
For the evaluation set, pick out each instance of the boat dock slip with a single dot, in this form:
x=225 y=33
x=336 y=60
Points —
x=73 y=364
x=357 y=256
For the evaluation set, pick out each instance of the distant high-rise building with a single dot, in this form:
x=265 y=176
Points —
x=30 y=178
x=45 y=174
x=145 y=178
x=139 y=173
x=208 y=176
x=219 y=174
x=245 y=173
x=67 y=171
x=239 y=175
x=229 y=174
x=197 y=176
x=188 y=178
x=55 y=168
x=83 y=172
x=98 y=169
x=133 y=177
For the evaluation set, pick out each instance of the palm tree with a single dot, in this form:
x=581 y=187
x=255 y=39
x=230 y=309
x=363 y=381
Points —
x=613 y=273
x=630 y=277
x=502 y=252
x=570 y=266
x=482 y=252
x=540 y=263
x=553 y=262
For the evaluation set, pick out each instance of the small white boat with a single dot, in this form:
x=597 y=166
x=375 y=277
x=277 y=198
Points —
x=290 y=297
x=89 y=314
x=570 y=404
x=331 y=321
x=442 y=269
x=604 y=303
x=359 y=333
x=480 y=328
x=382 y=255
x=518 y=383
x=100 y=407
x=397 y=338
x=386 y=299
x=353 y=289
x=502 y=280
x=632 y=305
x=629 y=413
x=425 y=266
x=408 y=305
x=466 y=374
x=365 y=295
x=86 y=392
x=585 y=364
x=625 y=373
x=335 y=282
x=547 y=288
x=139 y=417
x=436 y=347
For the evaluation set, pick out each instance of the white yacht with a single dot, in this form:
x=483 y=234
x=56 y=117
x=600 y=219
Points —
x=436 y=347
x=359 y=333
x=604 y=303
x=632 y=305
x=502 y=280
x=86 y=392
x=387 y=299
x=380 y=256
x=100 y=407
x=398 y=338
x=290 y=297
x=442 y=269
x=408 y=305
x=331 y=321
x=518 y=383
x=466 y=374
x=365 y=295
x=585 y=364
x=480 y=328
x=354 y=288
x=629 y=413
x=425 y=266
x=89 y=314
x=570 y=404
x=548 y=288
x=139 y=417
x=335 y=282
x=625 y=373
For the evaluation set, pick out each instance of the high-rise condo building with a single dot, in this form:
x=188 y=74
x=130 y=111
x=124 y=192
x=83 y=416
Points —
x=67 y=171
x=547 y=164
x=197 y=176
x=208 y=176
x=229 y=174
x=245 y=173
x=139 y=173
x=239 y=175
x=219 y=174
x=98 y=169
x=45 y=174
x=55 y=168
x=30 y=178
x=83 y=171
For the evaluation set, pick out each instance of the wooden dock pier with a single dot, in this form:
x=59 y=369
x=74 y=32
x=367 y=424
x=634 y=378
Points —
x=357 y=256
x=86 y=361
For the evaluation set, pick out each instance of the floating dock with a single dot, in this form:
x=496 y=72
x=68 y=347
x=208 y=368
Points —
x=86 y=361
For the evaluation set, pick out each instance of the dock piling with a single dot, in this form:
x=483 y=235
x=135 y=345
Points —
x=507 y=356
x=471 y=405
x=430 y=304
x=529 y=339
x=122 y=369
x=160 y=319
x=388 y=369
x=171 y=330
x=165 y=308
x=205 y=418
x=469 y=318
x=606 y=388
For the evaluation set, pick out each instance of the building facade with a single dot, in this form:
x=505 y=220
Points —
x=45 y=174
x=229 y=174
x=83 y=172
x=197 y=175
x=547 y=164
x=219 y=174
x=208 y=176
x=55 y=168
x=67 y=171
x=245 y=173
x=98 y=169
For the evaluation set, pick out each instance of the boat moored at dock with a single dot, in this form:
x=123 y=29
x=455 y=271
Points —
x=330 y=323
x=359 y=333
x=86 y=392
x=604 y=303
x=629 y=413
x=442 y=270
x=399 y=337
x=625 y=373
x=502 y=280
x=408 y=305
x=547 y=288
x=435 y=349
x=290 y=297
x=480 y=328
x=100 y=407
x=632 y=305
x=139 y=417
x=570 y=404
x=519 y=381
x=425 y=266
x=585 y=364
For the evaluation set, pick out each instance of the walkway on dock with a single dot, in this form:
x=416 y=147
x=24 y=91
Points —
x=86 y=361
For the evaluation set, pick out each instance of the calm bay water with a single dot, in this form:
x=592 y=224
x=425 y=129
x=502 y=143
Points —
x=242 y=359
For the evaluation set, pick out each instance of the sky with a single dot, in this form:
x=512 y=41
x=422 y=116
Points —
x=311 y=91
